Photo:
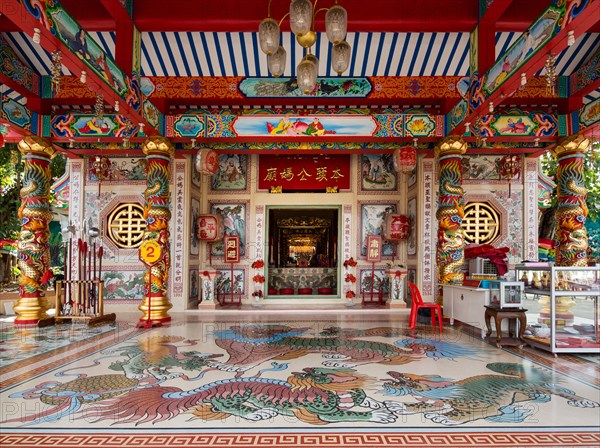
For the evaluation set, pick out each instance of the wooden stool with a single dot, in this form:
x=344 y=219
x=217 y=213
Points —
x=512 y=314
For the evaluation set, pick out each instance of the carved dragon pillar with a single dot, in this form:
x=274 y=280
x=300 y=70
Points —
x=571 y=211
x=157 y=212
x=451 y=243
x=34 y=213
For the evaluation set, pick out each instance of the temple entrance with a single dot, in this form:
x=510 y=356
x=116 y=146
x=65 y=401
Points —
x=303 y=252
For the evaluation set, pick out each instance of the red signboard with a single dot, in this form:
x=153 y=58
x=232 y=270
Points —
x=210 y=227
x=374 y=247
x=232 y=249
x=294 y=173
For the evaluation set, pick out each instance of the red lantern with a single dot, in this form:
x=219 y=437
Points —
x=210 y=228
x=396 y=227
x=207 y=161
x=405 y=159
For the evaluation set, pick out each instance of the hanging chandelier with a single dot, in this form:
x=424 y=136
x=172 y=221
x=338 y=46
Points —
x=302 y=23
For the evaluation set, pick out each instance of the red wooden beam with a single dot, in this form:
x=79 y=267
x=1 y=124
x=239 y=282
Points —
x=486 y=34
x=579 y=25
x=124 y=34
x=26 y=22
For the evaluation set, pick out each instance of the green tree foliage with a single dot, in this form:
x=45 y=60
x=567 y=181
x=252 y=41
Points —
x=11 y=170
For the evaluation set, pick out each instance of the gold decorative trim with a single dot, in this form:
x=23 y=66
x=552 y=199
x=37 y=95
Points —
x=126 y=225
x=481 y=223
x=303 y=221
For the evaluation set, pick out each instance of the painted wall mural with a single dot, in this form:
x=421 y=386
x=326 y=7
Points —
x=16 y=70
x=376 y=280
x=85 y=125
x=479 y=167
x=86 y=48
x=16 y=113
x=122 y=170
x=301 y=126
x=377 y=173
x=518 y=122
x=123 y=285
x=288 y=87
x=267 y=123
x=372 y=218
x=535 y=37
x=590 y=114
x=228 y=285
x=232 y=173
x=234 y=220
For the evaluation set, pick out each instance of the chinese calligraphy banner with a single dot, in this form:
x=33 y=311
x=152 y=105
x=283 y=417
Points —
x=304 y=172
x=232 y=249
x=374 y=244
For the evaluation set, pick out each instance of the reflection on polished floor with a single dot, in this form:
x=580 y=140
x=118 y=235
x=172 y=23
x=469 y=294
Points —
x=252 y=378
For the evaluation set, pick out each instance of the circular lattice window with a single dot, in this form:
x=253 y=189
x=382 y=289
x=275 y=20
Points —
x=481 y=223
x=126 y=225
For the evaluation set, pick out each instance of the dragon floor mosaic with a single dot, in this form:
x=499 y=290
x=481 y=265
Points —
x=343 y=375
x=19 y=344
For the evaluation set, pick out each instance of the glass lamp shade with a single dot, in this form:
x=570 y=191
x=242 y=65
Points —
x=276 y=62
x=340 y=56
x=336 y=24
x=301 y=12
x=307 y=75
x=311 y=57
x=268 y=36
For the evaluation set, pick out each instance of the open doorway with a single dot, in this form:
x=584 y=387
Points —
x=303 y=252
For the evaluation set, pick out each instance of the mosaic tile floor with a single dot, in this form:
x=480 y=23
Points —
x=350 y=378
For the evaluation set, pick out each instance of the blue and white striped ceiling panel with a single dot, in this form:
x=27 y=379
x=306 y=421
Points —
x=238 y=53
x=6 y=91
x=592 y=96
x=40 y=60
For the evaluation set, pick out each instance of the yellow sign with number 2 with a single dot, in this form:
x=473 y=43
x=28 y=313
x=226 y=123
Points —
x=150 y=252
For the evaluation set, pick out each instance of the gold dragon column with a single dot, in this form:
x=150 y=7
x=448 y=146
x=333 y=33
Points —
x=571 y=210
x=157 y=212
x=571 y=213
x=34 y=213
x=451 y=243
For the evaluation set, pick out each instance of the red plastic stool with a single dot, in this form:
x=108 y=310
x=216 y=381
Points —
x=417 y=302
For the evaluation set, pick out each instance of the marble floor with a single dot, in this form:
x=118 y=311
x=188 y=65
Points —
x=283 y=378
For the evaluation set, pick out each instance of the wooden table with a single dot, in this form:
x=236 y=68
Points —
x=512 y=314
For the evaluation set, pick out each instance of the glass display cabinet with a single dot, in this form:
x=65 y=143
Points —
x=562 y=305
x=506 y=294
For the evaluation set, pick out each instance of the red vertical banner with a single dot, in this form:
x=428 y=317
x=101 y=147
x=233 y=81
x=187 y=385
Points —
x=374 y=246
x=232 y=249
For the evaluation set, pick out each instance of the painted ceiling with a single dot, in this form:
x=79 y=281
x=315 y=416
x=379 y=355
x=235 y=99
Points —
x=192 y=54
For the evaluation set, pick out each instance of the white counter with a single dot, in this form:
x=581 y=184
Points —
x=466 y=305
